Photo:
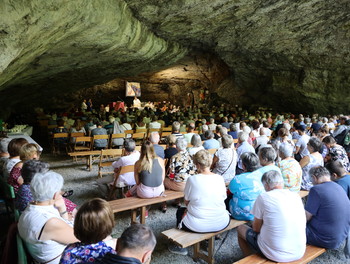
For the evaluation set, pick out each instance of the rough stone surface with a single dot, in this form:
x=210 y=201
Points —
x=292 y=55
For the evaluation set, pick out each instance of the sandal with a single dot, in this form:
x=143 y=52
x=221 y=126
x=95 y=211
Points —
x=163 y=207
x=67 y=193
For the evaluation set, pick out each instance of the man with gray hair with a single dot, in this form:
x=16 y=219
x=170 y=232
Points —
x=278 y=229
x=135 y=246
x=127 y=179
x=175 y=129
x=154 y=138
x=327 y=211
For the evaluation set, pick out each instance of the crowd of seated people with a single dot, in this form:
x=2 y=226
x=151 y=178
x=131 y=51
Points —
x=271 y=160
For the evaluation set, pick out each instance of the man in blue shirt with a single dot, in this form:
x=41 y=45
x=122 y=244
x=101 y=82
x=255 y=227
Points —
x=327 y=211
x=339 y=175
x=210 y=142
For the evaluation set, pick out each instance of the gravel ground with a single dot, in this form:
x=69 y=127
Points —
x=82 y=182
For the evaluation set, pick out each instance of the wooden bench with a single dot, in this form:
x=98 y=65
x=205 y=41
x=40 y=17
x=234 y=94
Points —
x=88 y=154
x=186 y=239
x=311 y=253
x=135 y=203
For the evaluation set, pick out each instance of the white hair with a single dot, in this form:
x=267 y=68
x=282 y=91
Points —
x=286 y=149
x=246 y=129
x=45 y=185
x=205 y=128
x=181 y=143
x=287 y=126
x=243 y=136
x=154 y=137
x=4 y=145
x=272 y=179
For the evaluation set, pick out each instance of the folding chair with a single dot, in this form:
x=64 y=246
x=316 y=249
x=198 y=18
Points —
x=115 y=136
x=138 y=137
x=138 y=130
x=128 y=132
x=99 y=137
x=72 y=138
x=107 y=157
x=122 y=170
x=58 y=140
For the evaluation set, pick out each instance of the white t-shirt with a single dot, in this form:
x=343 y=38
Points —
x=302 y=143
x=226 y=166
x=126 y=178
x=29 y=226
x=206 y=208
x=282 y=236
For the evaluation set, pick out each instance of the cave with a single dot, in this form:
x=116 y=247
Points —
x=287 y=55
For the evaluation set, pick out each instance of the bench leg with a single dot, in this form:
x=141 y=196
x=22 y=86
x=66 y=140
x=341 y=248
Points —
x=143 y=215
x=133 y=216
x=197 y=254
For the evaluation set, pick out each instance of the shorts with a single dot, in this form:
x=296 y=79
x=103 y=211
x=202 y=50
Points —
x=252 y=239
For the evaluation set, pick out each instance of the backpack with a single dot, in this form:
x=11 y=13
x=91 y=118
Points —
x=341 y=137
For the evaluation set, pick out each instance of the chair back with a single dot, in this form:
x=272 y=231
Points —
x=212 y=151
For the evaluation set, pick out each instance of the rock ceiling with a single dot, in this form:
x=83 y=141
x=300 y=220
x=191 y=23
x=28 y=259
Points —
x=293 y=55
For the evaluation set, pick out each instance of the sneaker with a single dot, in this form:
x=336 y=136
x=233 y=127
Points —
x=177 y=250
x=146 y=214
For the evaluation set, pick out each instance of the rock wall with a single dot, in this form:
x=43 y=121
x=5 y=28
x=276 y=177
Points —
x=289 y=54
x=52 y=47
x=189 y=75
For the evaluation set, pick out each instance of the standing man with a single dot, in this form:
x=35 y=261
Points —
x=278 y=230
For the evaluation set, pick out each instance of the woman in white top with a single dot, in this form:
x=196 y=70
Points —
x=44 y=224
x=205 y=194
x=13 y=149
x=206 y=210
x=225 y=159
x=314 y=159
x=196 y=143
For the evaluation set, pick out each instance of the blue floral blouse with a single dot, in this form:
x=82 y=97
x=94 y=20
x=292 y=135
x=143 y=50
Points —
x=80 y=253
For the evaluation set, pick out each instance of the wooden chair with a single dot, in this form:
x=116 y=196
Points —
x=150 y=130
x=165 y=134
x=138 y=137
x=115 y=136
x=138 y=130
x=58 y=140
x=72 y=138
x=128 y=132
x=96 y=137
x=107 y=157
x=212 y=151
x=167 y=129
x=86 y=144
x=122 y=170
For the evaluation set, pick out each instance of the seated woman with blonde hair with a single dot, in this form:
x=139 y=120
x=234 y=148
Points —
x=28 y=151
x=149 y=173
x=93 y=226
